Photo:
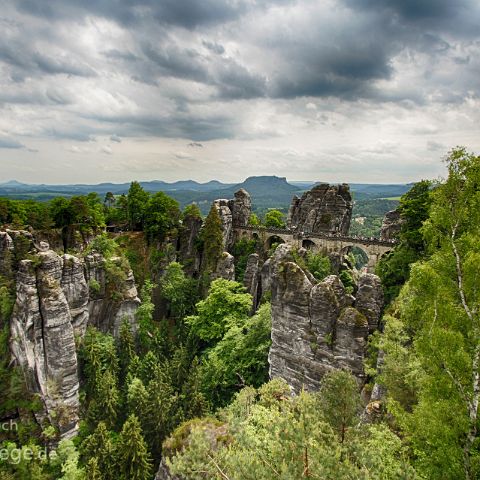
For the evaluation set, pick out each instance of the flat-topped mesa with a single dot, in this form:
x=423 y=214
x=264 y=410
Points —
x=318 y=326
x=323 y=209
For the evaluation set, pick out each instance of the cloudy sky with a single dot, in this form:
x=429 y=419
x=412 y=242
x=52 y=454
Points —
x=332 y=90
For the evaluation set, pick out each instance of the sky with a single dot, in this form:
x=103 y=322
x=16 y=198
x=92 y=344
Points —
x=372 y=91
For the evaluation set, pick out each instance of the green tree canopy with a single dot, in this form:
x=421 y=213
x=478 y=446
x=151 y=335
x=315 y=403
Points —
x=432 y=344
x=137 y=200
x=394 y=268
x=161 y=216
x=274 y=219
x=226 y=305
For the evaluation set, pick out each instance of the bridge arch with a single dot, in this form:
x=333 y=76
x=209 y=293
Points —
x=308 y=244
x=360 y=254
x=273 y=240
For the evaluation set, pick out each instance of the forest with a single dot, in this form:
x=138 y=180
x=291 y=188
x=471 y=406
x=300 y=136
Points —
x=185 y=392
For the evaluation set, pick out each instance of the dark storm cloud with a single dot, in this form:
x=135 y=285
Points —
x=176 y=125
x=342 y=71
x=460 y=17
x=208 y=53
x=183 y=13
x=26 y=60
x=232 y=79
x=214 y=47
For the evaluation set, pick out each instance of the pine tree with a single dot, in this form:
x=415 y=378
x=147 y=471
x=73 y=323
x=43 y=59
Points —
x=92 y=470
x=126 y=347
x=99 y=451
x=133 y=459
x=340 y=401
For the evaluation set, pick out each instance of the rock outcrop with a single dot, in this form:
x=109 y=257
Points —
x=316 y=327
x=251 y=279
x=370 y=299
x=323 y=209
x=391 y=225
x=225 y=213
x=57 y=297
x=235 y=212
x=225 y=267
x=42 y=338
x=241 y=208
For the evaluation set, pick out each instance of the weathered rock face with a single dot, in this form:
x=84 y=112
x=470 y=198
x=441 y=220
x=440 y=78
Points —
x=241 y=208
x=233 y=212
x=316 y=327
x=225 y=213
x=42 y=339
x=391 y=225
x=53 y=304
x=251 y=279
x=6 y=254
x=107 y=313
x=225 y=267
x=323 y=209
x=370 y=299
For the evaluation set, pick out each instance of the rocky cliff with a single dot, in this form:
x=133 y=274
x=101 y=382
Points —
x=317 y=327
x=57 y=297
x=391 y=225
x=234 y=212
x=187 y=247
x=323 y=209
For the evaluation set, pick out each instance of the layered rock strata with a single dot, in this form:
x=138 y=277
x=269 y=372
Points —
x=323 y=209
x=317 y=327
x=235 y=212
x=57 y=297
x=391 y=225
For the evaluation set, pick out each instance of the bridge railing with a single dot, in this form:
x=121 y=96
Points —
x=327 y=236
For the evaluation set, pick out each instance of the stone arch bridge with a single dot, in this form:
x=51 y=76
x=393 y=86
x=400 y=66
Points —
x=374 y=248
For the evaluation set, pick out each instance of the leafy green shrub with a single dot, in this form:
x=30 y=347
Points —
x=347 y=279
x=318 y=265
x=94 y=286
x=104 y=245
x=241 y=250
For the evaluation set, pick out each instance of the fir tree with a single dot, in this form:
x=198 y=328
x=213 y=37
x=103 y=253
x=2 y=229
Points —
x=133 y=458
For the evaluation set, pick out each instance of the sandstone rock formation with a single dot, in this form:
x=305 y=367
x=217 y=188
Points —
x=225 y=213
x=55 y=301
x=42 y=338
x=370 y=299
x=235 y=212
x=323 y=209
x=391 y=225
x=316 y=327
x=251 y=279
x=225 y=267
x=241 y=208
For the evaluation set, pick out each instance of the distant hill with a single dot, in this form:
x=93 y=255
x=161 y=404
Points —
x=266 y=191
x=14 y=188
x=369 y=191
